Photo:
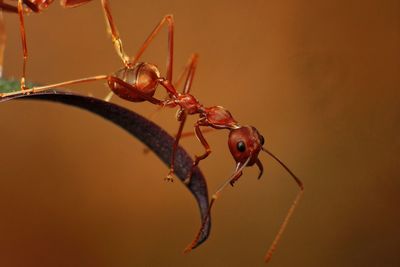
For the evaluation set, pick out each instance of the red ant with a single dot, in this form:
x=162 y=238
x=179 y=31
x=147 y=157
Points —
x=25 y=7
x=138 y=81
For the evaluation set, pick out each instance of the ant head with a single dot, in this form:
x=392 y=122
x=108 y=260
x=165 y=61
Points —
x=245 y=143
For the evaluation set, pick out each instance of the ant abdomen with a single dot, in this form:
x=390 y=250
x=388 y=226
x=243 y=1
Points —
x=143 y=77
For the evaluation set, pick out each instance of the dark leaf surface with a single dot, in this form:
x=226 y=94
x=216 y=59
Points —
x=154 y=137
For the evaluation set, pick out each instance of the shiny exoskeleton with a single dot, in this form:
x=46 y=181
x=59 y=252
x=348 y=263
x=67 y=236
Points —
x=143 y=76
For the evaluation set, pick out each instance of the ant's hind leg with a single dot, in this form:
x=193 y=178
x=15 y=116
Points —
x=113 y=31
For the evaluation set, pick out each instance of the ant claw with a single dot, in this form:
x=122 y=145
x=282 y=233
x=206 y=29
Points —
x=169 y=178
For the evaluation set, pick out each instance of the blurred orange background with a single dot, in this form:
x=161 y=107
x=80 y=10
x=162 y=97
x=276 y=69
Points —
x=319 y=79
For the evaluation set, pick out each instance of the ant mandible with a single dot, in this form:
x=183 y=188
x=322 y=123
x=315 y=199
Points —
x=137 y=82
x=25 y=7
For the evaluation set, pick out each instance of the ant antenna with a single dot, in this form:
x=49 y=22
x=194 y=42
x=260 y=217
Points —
x=282 y=228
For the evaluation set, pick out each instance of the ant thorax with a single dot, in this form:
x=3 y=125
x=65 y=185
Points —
x=141 y=77
x=189 y=103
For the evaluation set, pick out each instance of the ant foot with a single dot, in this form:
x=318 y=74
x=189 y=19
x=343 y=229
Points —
x=22 y=85
x=169 y=178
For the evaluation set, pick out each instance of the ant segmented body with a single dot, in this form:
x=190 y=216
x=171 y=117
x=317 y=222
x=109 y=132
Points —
x=138 y=81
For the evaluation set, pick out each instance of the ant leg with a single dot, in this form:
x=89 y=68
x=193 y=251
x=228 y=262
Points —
x=191 y=69
x=36 y=89
x=192 y=133
x=197 y=159
x=184 y=134
x=188 y=71
x=110 y=80
x=170 y=21
x=236 y=174
x=182 y=118
x=3 y=38
x=109 y=96
x=23 y=39
x=113 y=31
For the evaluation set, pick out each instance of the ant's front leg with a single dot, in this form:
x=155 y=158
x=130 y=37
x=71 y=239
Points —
x=201 y=157
x=113 y=31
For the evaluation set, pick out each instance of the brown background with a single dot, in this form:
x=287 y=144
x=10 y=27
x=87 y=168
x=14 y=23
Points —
x=320 y=80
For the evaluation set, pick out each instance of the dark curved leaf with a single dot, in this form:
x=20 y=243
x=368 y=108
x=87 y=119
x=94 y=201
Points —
x=159 y=141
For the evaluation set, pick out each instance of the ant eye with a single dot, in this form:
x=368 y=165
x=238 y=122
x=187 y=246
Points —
x=241 y=146
x=262 y=140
